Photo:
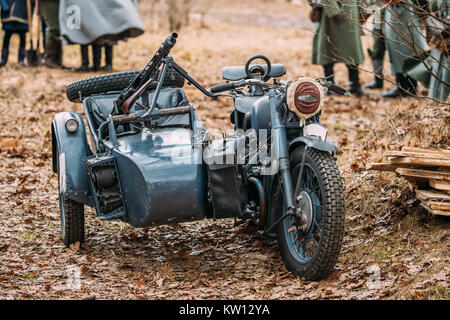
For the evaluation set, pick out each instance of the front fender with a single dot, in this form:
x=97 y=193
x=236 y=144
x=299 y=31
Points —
x=313 y=142
x=70 y=149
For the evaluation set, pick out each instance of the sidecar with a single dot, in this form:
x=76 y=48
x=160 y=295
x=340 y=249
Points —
x=143 y=175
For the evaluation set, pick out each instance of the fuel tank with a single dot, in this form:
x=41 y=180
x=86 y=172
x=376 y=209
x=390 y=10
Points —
x=162 y=177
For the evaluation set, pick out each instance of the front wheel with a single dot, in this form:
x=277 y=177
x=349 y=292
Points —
x=310 y=249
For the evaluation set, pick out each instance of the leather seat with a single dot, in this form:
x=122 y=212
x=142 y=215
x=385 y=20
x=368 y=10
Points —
x=102 y=106
x=238 y=72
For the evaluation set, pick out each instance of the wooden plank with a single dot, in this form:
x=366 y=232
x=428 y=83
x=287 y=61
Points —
x=440 y=185
x=420 y=162
x=421 y=150
x=423 y=174
x=416 y=155
x=435 y=212
x=441 y=213
x=432 y=195
x=439 y=205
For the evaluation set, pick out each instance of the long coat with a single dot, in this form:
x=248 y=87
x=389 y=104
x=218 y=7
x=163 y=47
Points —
x=434 y=71
x=337 y=36
x=100 y=21
x=14 y=15
x=403 y=35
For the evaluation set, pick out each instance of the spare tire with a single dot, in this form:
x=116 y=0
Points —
x=115 y=82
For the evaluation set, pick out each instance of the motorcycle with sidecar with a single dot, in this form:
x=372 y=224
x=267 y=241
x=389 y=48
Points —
x=147 y=159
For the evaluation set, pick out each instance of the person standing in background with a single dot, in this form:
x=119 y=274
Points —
x=404 y=39
x=378 y=50
x=96 y=58
x=432 y=70
x=102 y=24
x=49 y=10
x=337 y=39
x=14 y=16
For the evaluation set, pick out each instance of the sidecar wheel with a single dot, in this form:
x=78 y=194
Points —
x=115 y=82
x=72 y=216
x=311 y=250
x=72 y=221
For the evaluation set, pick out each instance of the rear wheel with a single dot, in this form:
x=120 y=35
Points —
x=310 y=249
x=115 y=82
x=71 y=214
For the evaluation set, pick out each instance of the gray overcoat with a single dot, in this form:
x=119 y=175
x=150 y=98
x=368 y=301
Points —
x=403 y=35
x=99 y=21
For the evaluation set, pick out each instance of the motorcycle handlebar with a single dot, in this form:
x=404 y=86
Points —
x=336 y=88
x=222 y=87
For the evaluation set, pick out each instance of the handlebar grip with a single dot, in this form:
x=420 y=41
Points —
x=222 y=87
x=337 y=89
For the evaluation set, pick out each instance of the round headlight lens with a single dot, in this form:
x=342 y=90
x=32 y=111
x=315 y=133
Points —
x=307 y=98
x=72 y=125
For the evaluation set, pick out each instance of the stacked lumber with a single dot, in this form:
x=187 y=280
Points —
x=428 y=170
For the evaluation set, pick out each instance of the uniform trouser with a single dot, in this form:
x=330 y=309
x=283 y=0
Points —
x=8 y=35
x=378 y=51
x=379 y=46
x=50 y=12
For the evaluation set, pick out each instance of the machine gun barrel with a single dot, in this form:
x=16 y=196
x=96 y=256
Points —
x=129 y=95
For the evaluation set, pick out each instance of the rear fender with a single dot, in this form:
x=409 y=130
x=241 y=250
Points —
x=71 y=148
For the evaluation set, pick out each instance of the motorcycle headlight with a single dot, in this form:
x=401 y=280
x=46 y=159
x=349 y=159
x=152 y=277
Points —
x=305 y=97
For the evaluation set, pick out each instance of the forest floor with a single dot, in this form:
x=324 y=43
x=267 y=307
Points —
x=392 y=248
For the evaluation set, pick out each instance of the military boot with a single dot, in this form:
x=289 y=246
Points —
x=97 y=56
x=5 y=55
x=21 y=56
x=377 y=83
x=329 y=76
x=354 y=85
x=108 y=58
x=401 y=88
x=84 y=59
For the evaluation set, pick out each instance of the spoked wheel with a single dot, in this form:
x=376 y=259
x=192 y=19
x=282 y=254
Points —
x=310 y=246
x=71 y=214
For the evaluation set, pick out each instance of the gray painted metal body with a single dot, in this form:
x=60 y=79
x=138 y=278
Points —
x=71 y=148
x=161 y=176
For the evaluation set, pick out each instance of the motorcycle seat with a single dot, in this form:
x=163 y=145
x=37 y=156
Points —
x=236 y=73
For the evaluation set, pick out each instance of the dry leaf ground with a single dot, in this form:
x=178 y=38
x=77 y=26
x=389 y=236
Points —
x=392 y=248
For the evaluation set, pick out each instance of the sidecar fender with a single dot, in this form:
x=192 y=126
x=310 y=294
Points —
x=313 y=142
x=70 y=148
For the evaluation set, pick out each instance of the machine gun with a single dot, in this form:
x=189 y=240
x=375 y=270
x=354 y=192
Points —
x=148 y=75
